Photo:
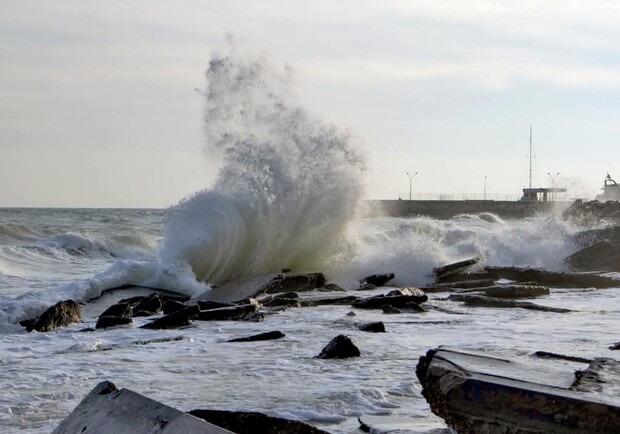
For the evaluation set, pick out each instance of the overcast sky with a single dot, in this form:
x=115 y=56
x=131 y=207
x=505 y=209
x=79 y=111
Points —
x=98 y=100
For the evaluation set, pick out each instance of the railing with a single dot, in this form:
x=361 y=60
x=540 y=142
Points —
x=473 y=196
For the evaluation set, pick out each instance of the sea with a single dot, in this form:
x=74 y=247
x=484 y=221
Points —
x=289 y=194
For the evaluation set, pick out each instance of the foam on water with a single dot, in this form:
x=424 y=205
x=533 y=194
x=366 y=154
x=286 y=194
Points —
x=287 y=187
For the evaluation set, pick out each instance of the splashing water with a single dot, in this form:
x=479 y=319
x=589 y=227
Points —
x=287 y=186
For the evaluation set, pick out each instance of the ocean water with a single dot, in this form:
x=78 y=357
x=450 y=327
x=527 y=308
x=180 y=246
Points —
x=51 y=254
x=288 y=195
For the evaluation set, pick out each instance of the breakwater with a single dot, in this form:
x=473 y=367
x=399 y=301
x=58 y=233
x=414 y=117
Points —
x=445 y=209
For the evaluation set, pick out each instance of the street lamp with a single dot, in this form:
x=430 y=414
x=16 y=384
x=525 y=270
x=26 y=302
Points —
x=553 y=183
x=410 y=182
x=485 y=187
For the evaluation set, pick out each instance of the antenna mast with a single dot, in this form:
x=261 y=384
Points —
x=530 y=156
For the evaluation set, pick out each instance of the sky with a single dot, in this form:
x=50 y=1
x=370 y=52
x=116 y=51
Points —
x=99 y=104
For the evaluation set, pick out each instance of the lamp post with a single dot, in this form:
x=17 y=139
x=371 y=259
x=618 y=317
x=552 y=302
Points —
x=410 y=182
x=552 y=183
x=485 y=187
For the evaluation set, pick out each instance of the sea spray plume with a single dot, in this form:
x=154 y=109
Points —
x=287 y=186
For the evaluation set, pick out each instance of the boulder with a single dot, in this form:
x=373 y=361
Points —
x=148 y=306
x=378 y=279
x=229 y=313
x=474 y=392
x=61 y=314
x=109 y=410
x=341 y=347
x=396 y=301
x=174 y=320
x=170 y=306
x=115 y=315
x=260 y=337
x=241 y=422
x=372 y=327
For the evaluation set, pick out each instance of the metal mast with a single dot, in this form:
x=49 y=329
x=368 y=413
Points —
x=530 y=156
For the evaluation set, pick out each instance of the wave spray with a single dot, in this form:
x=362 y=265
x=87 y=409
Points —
x=287 y=185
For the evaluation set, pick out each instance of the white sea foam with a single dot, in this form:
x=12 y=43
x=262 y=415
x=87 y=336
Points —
x=287 y=187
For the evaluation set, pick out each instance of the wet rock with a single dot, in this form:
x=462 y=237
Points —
x=341 y=347
x=61 y=314
x=372 y=327
x=285 y=299
x=174 y=320
x=366 y=287
x=603 y=256
x=116 y=315
x=462 y=284
x=170 y=306
x=109 y=410
x=255 y=317
x=241 y=422
x=483 y=301
x=208 y=304
x=323 y=301
x=260 y=337
x=548 y=355
x=229 y=313
x=158 y=340
x=509 y=291
x=593 y=212
x=378 y=279
x=389 y=310
x=328 y=287
x=454 y=268
x=396 y=301
x=148 y=306
x=294 y=282
x=552 y=279
x=476 y=393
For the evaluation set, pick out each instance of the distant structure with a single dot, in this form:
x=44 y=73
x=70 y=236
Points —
x=611 y=190
x=540 y=194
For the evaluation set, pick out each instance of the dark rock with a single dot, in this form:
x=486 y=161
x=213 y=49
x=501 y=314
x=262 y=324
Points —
x=366 y=287
x=593 y=212
x=373 y=327
x=601 y=256
x=122 y=309
x=341 y=347
x=59 y=315
x=330 y=287
x=105 y=322
x=322 y=301
x=463 y=284
x=387 y=309
x=378 y=279
x=482 y=301
x=615 y=346
x=476 y=393
x=174 y=320
x=552 y=279
x=255 y=317
x=170 y=306
x=229 y=313
x=158 y=340
x=295 y=282
x=285 y=299
x=208 y=304
x=599 y=373
x=148 y=306
x=509 y=291
x=392 y=300
x=548 y=355
x=454 y=268
x=28 y=324
x=260 y=337
x=240 y=422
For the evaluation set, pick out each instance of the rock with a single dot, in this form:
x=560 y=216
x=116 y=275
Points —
x=454 y=268
x=294 y=282
x=482 y=301
x=322 y=301
x=260 y=337
x=285 y=299
x=229 y=313
x=341 y=347
x=392 y=300
x=148 y=306
x=552 y=279
x=170 y=306
x=255 y=317
x=387 y=309
x=602 y=256
x=158 y=340
x=116 y=315
x=509 y=291
x=372 y=327
x=61 y=314
x=378 y=279
x=366 y=287
x=548 y=355
x=476 y=393
x=241 y=422
x=105 y=322
x=109 y=410
x=208 y=305
x=328 y=287
x=174 y=320
x=463 y=284
x=593 y=212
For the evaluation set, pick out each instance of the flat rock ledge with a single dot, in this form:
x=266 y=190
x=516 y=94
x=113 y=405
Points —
x=476 y=393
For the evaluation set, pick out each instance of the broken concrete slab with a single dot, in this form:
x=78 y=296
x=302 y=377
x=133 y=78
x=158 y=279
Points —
x=552 y=279
x=509 y=291
x=109 y=410
x=475 y=393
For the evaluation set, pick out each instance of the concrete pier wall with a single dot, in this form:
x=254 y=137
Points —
x=446 y=209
